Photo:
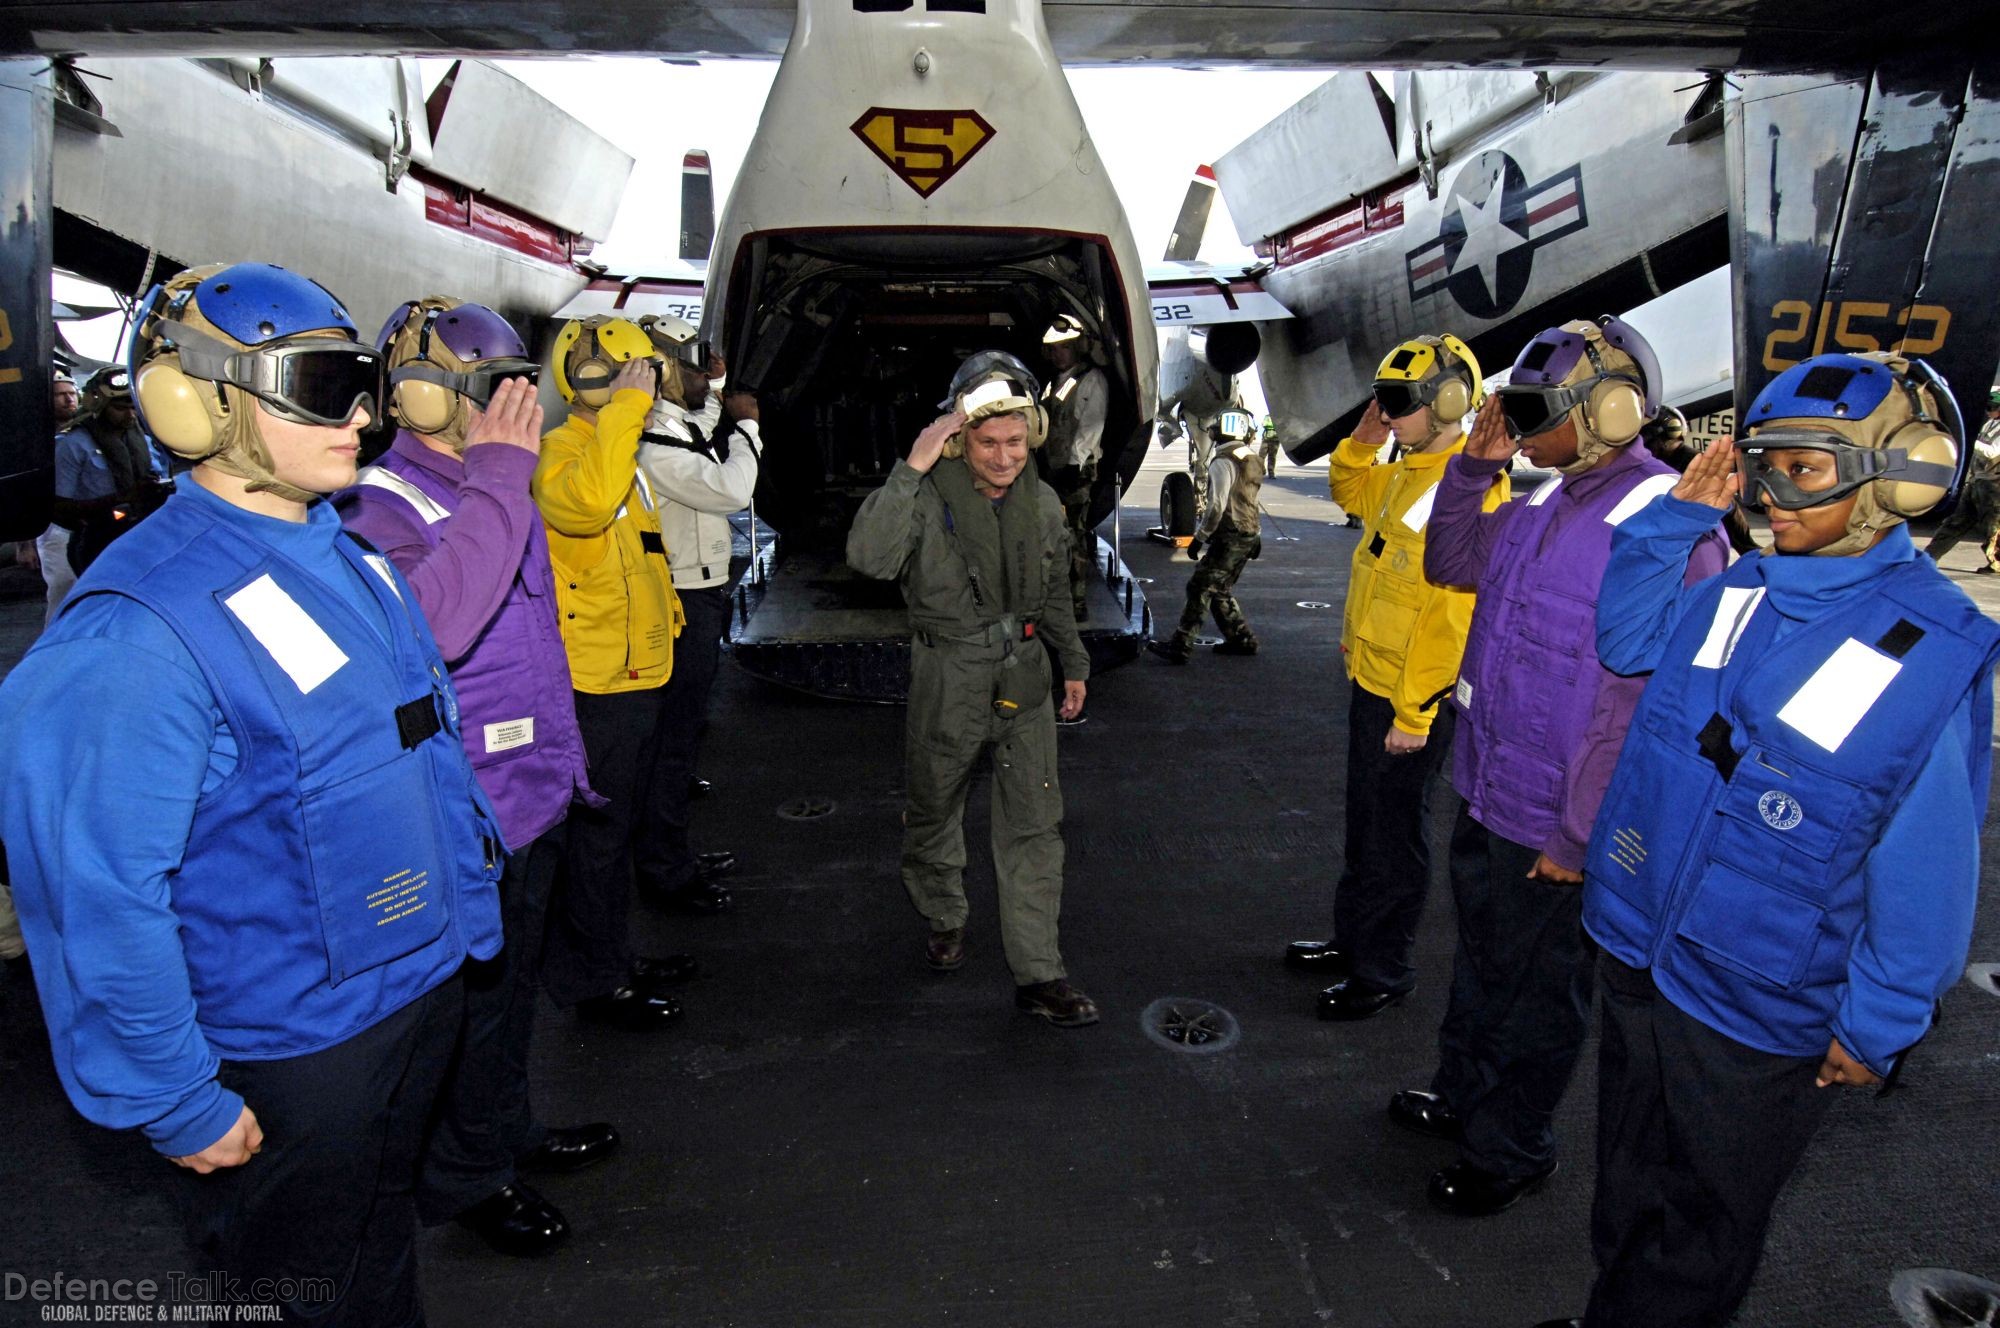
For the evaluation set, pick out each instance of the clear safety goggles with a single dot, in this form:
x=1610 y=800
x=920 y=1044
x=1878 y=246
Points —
x=318 y=381
x=1766 y=485
x=476 y=384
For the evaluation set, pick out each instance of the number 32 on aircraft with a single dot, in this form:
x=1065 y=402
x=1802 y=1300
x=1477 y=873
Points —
x=1916 y=329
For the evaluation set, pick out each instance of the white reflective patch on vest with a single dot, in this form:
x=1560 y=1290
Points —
x=426 y=506
x=1068 y=386
x=1840 y=693
x=1642 y=496
x=1419 y=514
x=509 y=734
x=1732 y=615
x=1463 y=694
x=1545 y=490
x=381 y=566
x=645 y=496
x=298 y=644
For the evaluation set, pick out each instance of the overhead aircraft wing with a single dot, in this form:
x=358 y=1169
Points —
x=671 y=288
x=1354 y=34
x=1205 y=294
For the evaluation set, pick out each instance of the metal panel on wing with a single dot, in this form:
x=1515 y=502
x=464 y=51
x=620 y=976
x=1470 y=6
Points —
x=1863 y=222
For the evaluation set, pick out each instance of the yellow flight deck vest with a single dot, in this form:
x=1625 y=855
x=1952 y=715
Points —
x=1402 y=637
x=614 y=587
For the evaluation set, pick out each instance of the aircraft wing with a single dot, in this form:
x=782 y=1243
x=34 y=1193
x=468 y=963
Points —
x=1353 y=34
x=671 y=288
x=1205 y=294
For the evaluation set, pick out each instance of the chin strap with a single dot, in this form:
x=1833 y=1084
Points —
x=1865 y=525
x=244 y=455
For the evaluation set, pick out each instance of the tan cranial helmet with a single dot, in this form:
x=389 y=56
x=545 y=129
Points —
x=212 y=342
x=1890 y=423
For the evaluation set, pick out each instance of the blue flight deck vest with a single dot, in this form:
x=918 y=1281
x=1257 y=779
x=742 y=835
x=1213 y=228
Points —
x=347 y=864
x=1728 y=853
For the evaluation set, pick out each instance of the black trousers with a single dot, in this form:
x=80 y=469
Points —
x=329 y=1198
x=1520 y=1001
x=661 y=855
x=1387 y=872
x=485 y=1116
x=1696 y=1135
x=588 y=950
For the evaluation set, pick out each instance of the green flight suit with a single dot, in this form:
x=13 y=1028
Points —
x=967 y=649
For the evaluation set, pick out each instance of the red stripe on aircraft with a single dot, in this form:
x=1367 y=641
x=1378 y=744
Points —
x=1567 y=203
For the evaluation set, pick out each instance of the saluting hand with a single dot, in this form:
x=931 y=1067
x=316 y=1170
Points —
x=243 y=1142
x=1711 y=478
x=638 y=376
x=740 y=405
x=1373 y=428
x=1841 y=1068
x=1489 y=439
x=513 y=416
x=924 y=453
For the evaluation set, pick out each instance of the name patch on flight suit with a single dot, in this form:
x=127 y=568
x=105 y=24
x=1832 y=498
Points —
x=509 y=734
x=287 y=632
x=1419 y=514
x=1840 y=693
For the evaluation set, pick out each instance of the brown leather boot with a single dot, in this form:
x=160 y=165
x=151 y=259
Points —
x=945 y=950
x=1058 y=1002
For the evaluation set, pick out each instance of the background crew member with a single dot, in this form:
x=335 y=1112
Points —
x=106 y=477
x=51 y=547
x=1539 y=725
x=1075 y=401
x=1229 y=530
x=979 y=552
x=700 y=469
x=201 y=862
x=449 y=505
x=1784 y=871
x=1401 y=639
x=1978 y=509
x=619 y=620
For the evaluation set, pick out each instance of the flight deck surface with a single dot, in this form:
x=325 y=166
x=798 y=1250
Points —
x=837 y=1138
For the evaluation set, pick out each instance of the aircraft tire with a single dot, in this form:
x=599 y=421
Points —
x=1177 y=504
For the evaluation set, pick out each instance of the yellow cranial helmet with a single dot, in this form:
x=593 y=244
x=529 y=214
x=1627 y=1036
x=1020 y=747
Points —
x=589 y=353
x=1438 y=372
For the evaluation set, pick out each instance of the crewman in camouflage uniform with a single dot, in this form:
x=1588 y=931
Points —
x=1229 y=530
x=1076 y=400
x=979 y=547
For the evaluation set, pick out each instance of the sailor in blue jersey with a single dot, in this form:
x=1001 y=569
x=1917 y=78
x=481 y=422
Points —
x=1783 y=872
x=253 y=957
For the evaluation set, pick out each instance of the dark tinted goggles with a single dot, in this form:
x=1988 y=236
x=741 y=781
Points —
x=1398 y=397
x=1533 y=410
x=318 y=381
x=476 y=384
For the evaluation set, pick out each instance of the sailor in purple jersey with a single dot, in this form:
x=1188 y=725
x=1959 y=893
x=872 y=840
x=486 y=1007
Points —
x=449 y=505
x=1540 y=724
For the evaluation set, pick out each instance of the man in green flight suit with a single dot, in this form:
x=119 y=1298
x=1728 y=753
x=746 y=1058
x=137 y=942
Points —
x=1230 y=532
x=981 y=551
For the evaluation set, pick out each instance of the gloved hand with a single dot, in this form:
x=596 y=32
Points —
x=1195 y=550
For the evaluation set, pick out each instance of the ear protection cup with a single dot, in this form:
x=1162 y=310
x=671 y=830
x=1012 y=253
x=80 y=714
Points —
x=1616 y=410
x=1452 y=401
x=1922 y=442
x=426 y=407
x=1474 y=382
x=184 y=414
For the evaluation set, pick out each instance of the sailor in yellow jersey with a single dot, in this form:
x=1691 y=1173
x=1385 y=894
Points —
x=1401 y=641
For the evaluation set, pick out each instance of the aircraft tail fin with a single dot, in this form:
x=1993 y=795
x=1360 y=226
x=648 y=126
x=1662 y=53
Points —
x=1184 y=245
x=1861 y=215
x=697 y=207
